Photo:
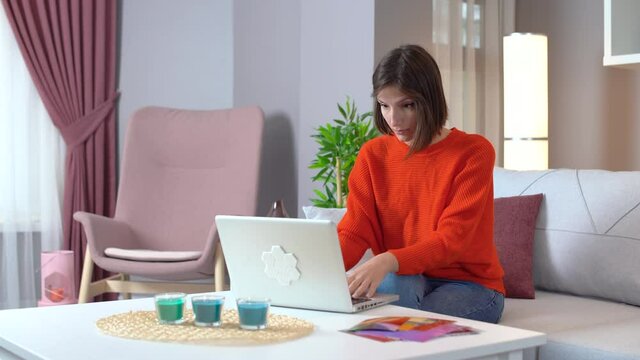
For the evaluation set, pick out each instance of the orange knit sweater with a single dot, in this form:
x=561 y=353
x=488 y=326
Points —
x=432 y=210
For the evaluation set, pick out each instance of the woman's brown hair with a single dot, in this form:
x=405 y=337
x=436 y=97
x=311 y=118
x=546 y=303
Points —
x=414 y=72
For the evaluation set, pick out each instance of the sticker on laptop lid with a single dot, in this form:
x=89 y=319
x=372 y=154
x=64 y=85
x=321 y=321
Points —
x=280 y=265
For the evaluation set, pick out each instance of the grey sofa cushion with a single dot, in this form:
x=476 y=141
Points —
x=587 y=239
x=577 y=327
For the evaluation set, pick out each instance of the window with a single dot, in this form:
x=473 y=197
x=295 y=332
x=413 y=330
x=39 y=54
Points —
x=442 y=32
x=31 y=148
x=31 y=178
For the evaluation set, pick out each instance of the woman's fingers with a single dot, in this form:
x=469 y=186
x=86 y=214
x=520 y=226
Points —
x=353 y=284
x=359 y=284
x=364 y=280
x=362 y=289
x=372 y=290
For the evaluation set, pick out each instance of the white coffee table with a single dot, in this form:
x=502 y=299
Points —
x=69 y=332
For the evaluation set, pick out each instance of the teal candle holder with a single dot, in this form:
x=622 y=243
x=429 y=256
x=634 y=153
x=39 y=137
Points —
x=170 y=308
x=253 y=312
x=207 y=309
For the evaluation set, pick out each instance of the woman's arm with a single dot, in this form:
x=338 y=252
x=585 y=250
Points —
x=359 y=230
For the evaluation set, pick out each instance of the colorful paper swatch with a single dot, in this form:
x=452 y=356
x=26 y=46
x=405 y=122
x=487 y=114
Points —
x=400 y=328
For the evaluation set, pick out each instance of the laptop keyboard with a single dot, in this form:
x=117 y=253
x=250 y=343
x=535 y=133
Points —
x=359 y=300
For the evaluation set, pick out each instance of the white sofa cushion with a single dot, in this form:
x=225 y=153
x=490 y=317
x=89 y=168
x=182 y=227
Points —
x=577 y=327
x=318 y=213
x=587 y=239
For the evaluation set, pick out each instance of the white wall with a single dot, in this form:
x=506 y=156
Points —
x=296 y=59
x=594 y=111
x=401 y=22
x=267 y=73
x=336 y=60
x=175 y=54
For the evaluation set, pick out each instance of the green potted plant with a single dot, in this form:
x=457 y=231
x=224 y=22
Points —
x=340 y=141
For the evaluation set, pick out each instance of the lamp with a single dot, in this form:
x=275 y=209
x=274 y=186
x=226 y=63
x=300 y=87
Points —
x=526 y=142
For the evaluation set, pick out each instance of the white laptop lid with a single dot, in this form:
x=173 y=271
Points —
x=295 y=262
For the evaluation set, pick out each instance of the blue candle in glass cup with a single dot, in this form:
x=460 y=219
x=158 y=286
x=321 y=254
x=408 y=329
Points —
x=170 y=308
x=253 y=313
x=207 y=309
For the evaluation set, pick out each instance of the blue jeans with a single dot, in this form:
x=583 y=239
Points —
x=451 y=297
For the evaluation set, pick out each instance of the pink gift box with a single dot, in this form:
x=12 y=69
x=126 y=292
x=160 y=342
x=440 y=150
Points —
x=58 y=280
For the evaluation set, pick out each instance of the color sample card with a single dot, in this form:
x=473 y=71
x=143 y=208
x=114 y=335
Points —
x=400 y=328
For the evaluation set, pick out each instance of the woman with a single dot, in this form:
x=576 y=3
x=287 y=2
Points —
x=421 y=198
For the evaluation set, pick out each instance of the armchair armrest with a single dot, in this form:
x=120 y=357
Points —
x=103 y=232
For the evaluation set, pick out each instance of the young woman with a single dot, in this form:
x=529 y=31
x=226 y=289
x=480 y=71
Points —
x=421 y=198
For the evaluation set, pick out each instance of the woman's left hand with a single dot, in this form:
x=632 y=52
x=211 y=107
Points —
x=364 y=280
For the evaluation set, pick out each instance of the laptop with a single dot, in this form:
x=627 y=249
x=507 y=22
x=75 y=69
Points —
x=294 y=262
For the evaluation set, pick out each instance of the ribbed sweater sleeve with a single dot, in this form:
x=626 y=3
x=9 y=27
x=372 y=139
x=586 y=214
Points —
x=359 y=230
x=432 y=210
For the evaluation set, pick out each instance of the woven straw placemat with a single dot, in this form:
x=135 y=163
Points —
x=142 y=325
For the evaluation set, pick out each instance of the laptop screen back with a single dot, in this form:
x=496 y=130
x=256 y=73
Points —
x=295 y=262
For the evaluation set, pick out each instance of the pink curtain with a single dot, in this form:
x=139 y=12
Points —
x=69 y=47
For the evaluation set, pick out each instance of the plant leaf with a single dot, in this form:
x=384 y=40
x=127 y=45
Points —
x=341 y=109
x=342 y=139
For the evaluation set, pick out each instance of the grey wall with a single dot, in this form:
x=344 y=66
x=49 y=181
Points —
x=296 y=59
x=401 y=22
x=594 y=111
x=336 y=60
x=175 y=54
x=267 y=73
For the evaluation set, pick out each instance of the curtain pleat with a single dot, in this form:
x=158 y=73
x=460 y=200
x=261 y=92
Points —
x=69 y=47
x=467 y=45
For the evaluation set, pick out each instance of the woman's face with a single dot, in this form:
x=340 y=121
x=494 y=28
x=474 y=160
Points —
x=399 y=111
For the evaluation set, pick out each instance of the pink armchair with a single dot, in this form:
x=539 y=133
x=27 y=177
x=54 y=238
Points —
x=180 y=168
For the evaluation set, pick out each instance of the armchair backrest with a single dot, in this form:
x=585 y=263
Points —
x=180 y=168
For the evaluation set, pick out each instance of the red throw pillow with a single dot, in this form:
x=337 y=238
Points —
x=514 y=227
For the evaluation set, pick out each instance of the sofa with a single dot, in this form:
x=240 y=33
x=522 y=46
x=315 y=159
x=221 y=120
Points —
x=585 y=262
x=583 y=258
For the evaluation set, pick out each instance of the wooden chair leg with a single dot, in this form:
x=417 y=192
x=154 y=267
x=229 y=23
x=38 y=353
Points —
x=219 y=270
x=85 y=281
x=125 y=296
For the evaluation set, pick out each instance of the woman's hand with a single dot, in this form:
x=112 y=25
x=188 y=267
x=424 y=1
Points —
x=365 y=279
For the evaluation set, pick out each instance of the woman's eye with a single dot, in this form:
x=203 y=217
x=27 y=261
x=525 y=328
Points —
x=384 y=106
x=410 y=105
